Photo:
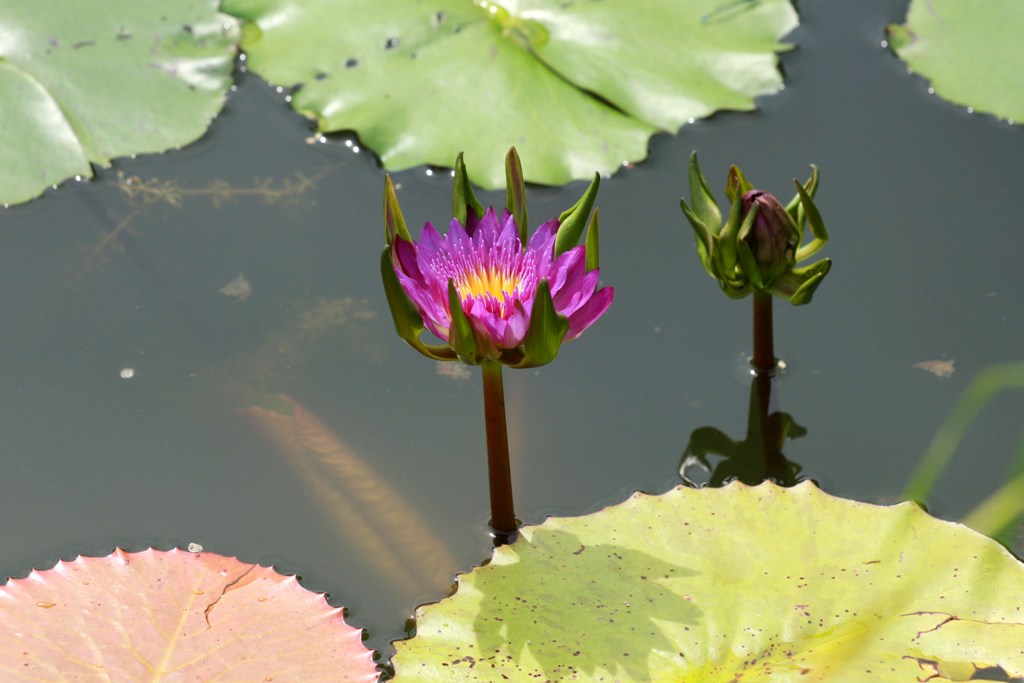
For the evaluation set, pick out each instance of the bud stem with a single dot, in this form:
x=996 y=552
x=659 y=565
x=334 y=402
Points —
x=764 y=342
x=503 y=516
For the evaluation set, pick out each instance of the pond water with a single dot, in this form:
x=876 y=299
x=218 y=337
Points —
x=131 y=368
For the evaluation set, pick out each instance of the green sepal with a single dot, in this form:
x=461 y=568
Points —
x=408 y=323
x=795 y=207
x=573 y=220
x=515 y=193
x=798 y=285
x=704 y=205
x=568 y=212
x=463 y=198
x=394 y=223
x=547 y=330
x=593 y=247
x=736 y=290
x=748 y=220
x=815 y=222
x=460 y=335
x=736 y=184
x=749 y=265
x=705 y=241
x=814 y=275
x=727 y=238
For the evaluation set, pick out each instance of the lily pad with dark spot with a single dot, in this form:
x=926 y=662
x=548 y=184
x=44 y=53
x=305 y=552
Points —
x=730 y=584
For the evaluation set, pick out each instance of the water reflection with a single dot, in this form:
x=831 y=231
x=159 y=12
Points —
x=365 y=509
x=757 y=458
x=373 y=521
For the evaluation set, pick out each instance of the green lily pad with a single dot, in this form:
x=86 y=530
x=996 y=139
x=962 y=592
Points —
x=970 y=51
x=81 y=85
x=575 y=85
x=730 y=584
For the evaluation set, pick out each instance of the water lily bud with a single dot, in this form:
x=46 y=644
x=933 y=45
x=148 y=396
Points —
x=758 y=247
x=773 y=237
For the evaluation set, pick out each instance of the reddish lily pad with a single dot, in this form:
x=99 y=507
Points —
x=173 y=616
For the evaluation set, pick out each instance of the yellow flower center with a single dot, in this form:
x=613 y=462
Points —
x=479 y=283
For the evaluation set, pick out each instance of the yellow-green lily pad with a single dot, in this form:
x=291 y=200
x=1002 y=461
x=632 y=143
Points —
x=739 y=583
x=575 y=85
x=81 y=83
x=971 y=51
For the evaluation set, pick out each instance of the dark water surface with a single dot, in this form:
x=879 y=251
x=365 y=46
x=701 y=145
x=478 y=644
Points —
x=921 y=198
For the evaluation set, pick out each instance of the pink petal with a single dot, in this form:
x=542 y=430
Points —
x=579 y=294
x=543 y=243
x=486 y=231
x=565 y=273
x=589 y=312
x=509 y=236
x=431 y=241
x=487 y=327
x=518 y=325
x=432 y=310
x=405 y=255
x=457 y=238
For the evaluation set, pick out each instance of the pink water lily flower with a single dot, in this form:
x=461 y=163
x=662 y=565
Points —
x=497 y=280
x=491 y=300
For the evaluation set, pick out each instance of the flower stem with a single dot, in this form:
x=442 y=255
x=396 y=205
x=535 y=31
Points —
x=764 y=343
x=503 y=516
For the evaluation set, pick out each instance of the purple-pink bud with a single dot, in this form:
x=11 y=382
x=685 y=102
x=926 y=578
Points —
x=774 y=236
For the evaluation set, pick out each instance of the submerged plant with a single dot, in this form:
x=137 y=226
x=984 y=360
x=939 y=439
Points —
x=1001 y=515
x=758 y=247
x=492 y=300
